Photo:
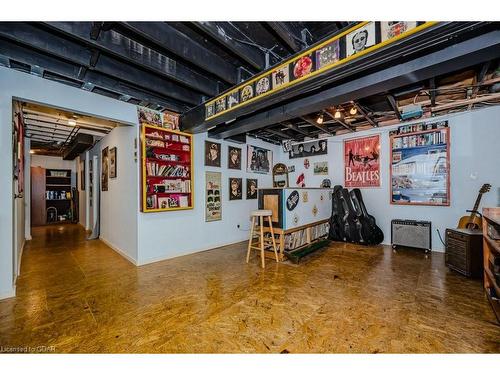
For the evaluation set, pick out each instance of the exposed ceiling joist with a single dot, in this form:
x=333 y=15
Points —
x=65 y=49
x=289 y=37
x=165 y=36
x=296 y=129
x=364 y=114
x=29 y=56
x=394 y=105
x=331 y=113
x=250 y=54
x=479 y=80
x=125 y=48
x=314 y=123
x=279 y=133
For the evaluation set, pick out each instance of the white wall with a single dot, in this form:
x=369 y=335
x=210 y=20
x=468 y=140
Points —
x=165 y=235
x=18 y=85
x=120 y=204
x=474 y=157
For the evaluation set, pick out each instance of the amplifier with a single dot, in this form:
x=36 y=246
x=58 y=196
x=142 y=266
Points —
x=464 y=251
x=411 y=233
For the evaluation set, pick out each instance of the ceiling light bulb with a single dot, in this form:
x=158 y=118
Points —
x=72 y=122
x=319 y=120
x=337 y=114
x=353 y=111
x=32 y=151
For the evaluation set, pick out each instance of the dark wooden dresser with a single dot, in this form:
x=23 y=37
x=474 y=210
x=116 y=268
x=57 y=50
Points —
x=464 y=251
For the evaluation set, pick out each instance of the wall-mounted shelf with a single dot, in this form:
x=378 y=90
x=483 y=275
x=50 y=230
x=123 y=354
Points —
x=167 y=170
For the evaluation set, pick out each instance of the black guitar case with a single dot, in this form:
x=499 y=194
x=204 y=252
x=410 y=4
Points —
x=352 y=226
x=368 y=230
x=336 y=226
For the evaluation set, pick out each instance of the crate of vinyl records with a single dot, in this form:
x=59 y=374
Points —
x=167 y=169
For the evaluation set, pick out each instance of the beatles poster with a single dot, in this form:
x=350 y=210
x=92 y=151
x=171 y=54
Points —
x=362 y=162
x=213 y=205
x=259 y=160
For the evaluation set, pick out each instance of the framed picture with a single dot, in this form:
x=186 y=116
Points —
x=247 y=93
x=320 y=168
x=328 y=54
x=149 y=117
x=360 y=39
x=391 y=29
x=281 y=76
x=362 y=162
x=259 y=160
x=235 y=189
x=233 y=99
x=263 y=85
x=234 y=158
x=112 y=162
x=420 y=167
x=82 y=175
x=306 y=149
x=209 y=110
x=212 y=154
x=302 y=66
x=213 y=198
x=171 y=120
x=252 y=186
x=104 y=169
x=220 y=105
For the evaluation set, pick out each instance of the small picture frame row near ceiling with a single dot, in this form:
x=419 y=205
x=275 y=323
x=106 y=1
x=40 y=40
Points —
x=259 y=160
x=166 y=119
x=358 y=40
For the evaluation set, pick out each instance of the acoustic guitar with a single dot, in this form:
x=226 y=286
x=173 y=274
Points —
x=474 y=221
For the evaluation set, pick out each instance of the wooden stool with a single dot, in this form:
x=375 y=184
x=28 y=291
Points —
x=261 y=215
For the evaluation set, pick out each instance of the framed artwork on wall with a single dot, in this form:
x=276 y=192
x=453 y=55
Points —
x=252 y=186
x=391 y=29
x=213 y=196
x=362 y=162
x=235 y=189
x=234 y=157
x=212 y=154
x=310 y=148
x=82 y=175
x=104 y=169
x=259 y=160
x=112 y=162
x=360 y=39
x=420 y=165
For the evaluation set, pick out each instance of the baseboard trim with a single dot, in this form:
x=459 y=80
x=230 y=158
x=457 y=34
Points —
x=160 y=259
x=119 y=251
x=9 y=294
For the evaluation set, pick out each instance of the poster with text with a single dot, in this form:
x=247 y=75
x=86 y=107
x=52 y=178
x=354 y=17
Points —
x=362 y=162
x=213 y=207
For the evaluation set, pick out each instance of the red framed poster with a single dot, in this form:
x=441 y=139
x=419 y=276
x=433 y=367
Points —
x=362 y=162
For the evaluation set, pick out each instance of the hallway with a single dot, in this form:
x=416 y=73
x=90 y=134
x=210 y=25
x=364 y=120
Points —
x=75 y=295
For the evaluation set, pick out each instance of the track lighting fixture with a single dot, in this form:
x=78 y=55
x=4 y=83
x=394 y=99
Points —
x=353 y=111
x=319 y=120
x=337 y=114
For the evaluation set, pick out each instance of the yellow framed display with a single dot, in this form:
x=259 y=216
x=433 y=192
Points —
x=166 y=170
x=242 y=94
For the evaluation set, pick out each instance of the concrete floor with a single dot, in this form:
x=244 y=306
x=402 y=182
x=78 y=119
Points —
x=75 y=295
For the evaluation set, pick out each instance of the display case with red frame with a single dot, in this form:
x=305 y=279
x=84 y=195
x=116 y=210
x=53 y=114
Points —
x=167 y=169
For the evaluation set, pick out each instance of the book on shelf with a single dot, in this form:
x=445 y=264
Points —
x=165 y=170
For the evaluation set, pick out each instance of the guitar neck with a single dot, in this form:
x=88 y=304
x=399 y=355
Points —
x=476 y=205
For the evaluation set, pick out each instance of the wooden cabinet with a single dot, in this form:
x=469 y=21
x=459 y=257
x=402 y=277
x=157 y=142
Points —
x=38 y=196
x=491 y=251
x=464 y=251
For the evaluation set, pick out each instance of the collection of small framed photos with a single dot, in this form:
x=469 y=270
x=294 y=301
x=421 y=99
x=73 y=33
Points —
x=259 y=160
x=360 y=39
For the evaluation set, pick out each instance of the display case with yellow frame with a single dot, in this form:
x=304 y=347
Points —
x=166 y=169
